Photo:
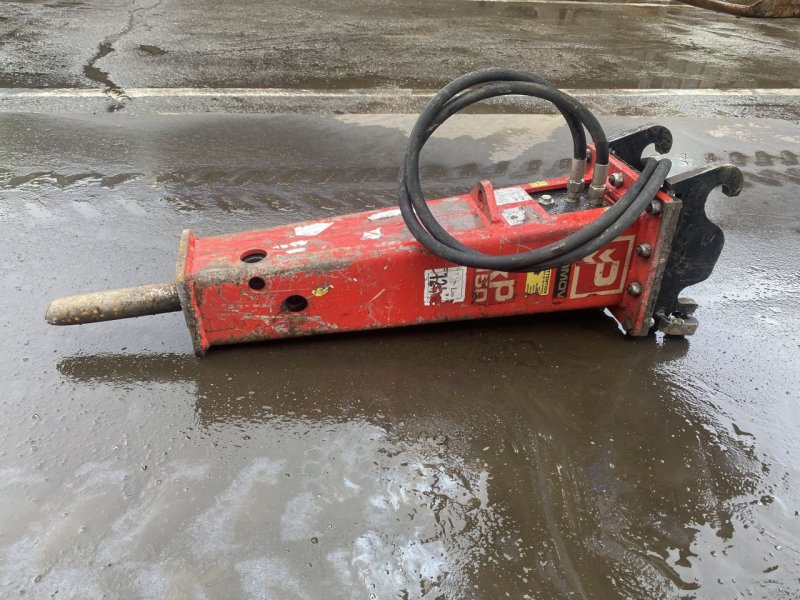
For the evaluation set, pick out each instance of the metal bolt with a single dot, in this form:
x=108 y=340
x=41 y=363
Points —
x=649 y=322
x=634 y=288
x=644 y=250
x=616 y=179
x=546 y=200
x=654 y=208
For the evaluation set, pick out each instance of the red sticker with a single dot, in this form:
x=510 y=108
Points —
x=603 y=272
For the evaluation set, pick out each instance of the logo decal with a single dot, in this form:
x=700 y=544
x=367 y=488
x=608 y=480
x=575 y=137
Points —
x=603 y=272
x=492 y=287
x=561 y=284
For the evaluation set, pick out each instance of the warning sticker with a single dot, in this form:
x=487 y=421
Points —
x=448 y=284
x=538 y=284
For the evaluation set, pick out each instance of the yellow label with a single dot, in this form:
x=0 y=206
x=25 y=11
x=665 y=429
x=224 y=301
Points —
x=321 y=291
x=538 y=283
x=537 y=183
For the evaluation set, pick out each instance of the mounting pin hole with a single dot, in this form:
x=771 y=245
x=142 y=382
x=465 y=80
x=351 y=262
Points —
x=256 y=283
x=253 y=256
x=295 y=303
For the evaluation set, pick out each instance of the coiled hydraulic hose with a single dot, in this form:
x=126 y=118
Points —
x=490 y=83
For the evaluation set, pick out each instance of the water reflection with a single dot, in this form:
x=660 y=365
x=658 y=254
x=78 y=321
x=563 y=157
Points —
x=538 y=456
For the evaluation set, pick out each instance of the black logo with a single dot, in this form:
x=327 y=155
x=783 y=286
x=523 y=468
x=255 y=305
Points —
x=562 y=281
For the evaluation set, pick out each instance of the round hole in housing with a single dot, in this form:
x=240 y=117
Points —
x=253 y=256
x=256 y=283
x=295 y=303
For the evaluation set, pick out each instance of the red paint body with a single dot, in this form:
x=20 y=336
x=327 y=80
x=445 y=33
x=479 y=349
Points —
x=366 y=271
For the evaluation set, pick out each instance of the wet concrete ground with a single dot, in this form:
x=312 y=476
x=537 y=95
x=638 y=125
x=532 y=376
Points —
x=356 y=56
x=325 y=44
x=547 y=457
x=539 y=456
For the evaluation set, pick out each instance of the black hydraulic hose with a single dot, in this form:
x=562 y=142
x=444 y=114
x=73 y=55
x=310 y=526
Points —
x=465 y=98
x=438 y=107
x=489 y=83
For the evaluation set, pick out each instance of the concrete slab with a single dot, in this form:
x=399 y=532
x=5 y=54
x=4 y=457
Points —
x=413 y=45
x=543 y=456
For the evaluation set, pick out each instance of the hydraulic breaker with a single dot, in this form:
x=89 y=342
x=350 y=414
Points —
x=375 y=270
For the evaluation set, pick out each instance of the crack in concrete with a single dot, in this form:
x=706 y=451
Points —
x=91 y=71
x=112 y=90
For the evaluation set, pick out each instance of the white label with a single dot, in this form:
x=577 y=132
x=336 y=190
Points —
x=374 y=234
x=447 y=284
x=394 y=212
x=514 y=216
x=296 y=244
x=511 y=195
x=312 y=229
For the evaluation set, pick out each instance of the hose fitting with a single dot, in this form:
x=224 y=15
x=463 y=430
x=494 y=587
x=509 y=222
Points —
x=597 y=189
x=575 y=185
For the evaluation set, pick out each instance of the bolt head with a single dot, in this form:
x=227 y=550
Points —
x=654 y=208
x=650 y=322
x=616 y=179
x=634 y=288
x=644 y=250
x=546 y=200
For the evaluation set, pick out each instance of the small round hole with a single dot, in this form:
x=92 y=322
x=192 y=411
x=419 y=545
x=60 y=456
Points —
x=253 y=256
x=295 y=303
x=256 y=283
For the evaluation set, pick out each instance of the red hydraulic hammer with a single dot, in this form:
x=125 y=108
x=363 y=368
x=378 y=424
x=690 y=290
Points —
x=615 y=234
